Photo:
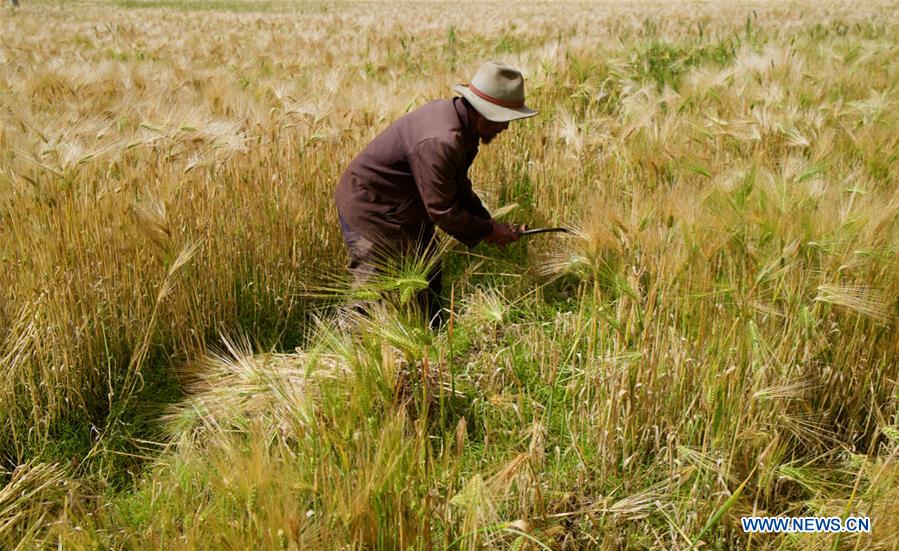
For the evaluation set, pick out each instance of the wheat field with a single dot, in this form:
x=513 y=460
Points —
x=717 y=339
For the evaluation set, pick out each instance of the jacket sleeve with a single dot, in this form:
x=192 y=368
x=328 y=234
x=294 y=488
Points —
x=434 y=166
x=470 y=200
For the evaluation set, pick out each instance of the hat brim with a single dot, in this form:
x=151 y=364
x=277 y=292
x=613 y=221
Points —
x=492 y=111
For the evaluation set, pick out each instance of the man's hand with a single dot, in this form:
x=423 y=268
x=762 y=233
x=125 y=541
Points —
x=502 y=234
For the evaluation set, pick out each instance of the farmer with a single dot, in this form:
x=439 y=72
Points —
x=414 y=175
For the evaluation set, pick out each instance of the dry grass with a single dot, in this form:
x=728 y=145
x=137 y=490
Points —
x=717 y=339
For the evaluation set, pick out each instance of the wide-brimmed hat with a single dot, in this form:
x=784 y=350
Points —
x=497 y=92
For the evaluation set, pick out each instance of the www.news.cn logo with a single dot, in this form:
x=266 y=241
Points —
x=805 y=525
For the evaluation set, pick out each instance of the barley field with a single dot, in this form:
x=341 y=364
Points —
x=718 y=338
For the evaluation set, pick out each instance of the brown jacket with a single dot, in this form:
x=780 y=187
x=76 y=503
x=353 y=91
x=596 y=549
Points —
x=413 y=175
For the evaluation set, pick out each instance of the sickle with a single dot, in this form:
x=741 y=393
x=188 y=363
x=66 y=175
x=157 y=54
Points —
x=544 y=230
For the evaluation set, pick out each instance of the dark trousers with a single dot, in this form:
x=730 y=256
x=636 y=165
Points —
x=366 y=261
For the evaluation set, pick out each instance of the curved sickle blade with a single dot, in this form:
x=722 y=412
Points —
x=545 y=230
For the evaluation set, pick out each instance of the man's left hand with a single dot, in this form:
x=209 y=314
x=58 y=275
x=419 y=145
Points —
x=502 y=234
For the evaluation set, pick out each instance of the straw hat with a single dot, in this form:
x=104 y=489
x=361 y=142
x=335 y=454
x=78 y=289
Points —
x=497 y=92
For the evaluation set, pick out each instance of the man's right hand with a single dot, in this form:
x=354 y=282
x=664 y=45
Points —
x=502 y=234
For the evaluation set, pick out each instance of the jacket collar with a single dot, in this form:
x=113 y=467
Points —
x=471 y=139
